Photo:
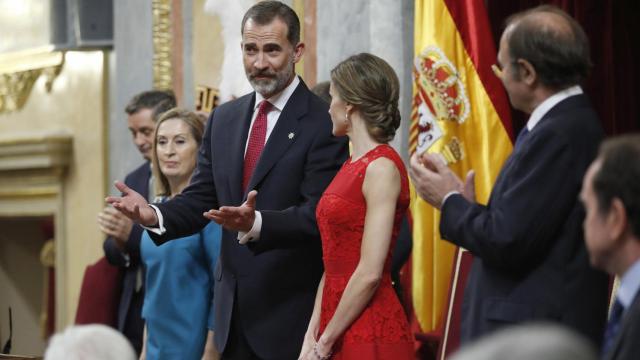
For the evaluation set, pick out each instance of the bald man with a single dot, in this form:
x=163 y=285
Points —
x=530 y=262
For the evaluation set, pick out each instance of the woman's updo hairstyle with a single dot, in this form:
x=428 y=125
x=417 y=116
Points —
x=369 y=84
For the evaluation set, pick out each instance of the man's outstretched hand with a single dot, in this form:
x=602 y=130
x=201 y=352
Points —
x=236 y=218
x=133 y=205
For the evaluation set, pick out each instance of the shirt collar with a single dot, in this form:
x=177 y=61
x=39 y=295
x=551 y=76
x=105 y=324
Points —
x=280 y=99
x=629 y=285
x=544 y=107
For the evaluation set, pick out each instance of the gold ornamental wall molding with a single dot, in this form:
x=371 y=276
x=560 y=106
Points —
x=43 y=152
x=19 y=72
x=162 y=45
x=32 y=165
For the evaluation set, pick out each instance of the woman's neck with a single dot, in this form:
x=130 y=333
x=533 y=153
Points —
x=176 y=185
x=362 y=142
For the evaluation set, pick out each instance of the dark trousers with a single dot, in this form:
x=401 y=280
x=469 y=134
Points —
x=134 y=324
x=237 y=347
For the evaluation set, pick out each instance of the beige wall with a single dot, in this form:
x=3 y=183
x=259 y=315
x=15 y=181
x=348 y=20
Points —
x=76 y=104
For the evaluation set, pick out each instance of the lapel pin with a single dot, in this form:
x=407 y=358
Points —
x=291 y=135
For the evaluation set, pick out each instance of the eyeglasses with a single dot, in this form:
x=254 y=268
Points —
x=499 y=72
x=496 y=70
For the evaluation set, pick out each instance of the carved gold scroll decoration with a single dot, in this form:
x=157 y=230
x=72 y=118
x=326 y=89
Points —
x=19 y=72
x=162 y=45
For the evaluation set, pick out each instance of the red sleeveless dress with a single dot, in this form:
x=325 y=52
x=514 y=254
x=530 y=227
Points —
x=381 y=331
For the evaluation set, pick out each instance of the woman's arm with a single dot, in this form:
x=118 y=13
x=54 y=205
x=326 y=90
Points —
x=314 y=323
x=381 y=188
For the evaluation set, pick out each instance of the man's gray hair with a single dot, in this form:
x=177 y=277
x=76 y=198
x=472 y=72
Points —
x=96 y=342
x=534 y=341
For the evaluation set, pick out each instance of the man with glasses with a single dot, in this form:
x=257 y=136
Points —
x=530 y=262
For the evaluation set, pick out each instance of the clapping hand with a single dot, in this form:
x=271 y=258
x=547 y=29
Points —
x=133 y=205
x=433 y=179
x=113 y=223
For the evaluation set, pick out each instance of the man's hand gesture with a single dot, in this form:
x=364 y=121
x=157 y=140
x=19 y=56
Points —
x=236 y=218
x=133 y=205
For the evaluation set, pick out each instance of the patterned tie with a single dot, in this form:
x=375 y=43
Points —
x=613 y=327
x=256 y=142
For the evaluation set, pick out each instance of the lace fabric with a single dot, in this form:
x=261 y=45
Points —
x=381 y=330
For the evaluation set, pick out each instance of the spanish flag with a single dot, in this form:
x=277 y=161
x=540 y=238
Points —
x=460 y=110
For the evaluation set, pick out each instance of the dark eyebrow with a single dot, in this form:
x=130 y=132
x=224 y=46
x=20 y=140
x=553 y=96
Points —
x=272 y=46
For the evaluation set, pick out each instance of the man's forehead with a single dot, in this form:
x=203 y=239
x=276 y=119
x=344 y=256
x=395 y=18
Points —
x=273 y=32
x=590 y=174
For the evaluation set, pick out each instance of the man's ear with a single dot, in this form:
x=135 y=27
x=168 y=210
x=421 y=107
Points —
x=298 y=51
x=528 y=73
x=617 y=220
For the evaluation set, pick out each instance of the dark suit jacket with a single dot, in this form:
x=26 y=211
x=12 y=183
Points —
x=530 y=260
x=130 y=309
x=626 y=345
x=273 y=280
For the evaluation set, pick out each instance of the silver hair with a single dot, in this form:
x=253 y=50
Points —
x=96 y=342
x=533 y=341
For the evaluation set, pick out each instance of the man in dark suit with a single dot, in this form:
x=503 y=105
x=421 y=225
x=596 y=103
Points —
x=122 y=245
x=611 y=197
x=264 y=166
x=530 y=262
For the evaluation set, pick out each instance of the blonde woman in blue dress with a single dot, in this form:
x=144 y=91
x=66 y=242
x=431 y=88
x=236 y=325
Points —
x=179 y=273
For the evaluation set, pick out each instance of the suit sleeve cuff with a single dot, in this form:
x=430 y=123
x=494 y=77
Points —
x=444 y=199
x=254 y=233
x=158 y=230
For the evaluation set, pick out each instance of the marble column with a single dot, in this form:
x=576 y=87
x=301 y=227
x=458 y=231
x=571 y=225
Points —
x=131 y=72
x=381 y=27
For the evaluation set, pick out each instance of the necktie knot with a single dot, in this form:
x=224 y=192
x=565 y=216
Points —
x=264 y=107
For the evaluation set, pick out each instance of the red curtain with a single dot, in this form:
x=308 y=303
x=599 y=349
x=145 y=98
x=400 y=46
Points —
x=613 y=28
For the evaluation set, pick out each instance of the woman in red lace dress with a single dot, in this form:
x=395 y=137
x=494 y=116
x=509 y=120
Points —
x=357 y=314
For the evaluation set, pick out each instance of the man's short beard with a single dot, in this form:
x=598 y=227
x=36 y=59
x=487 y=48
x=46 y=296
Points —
x=269 y=87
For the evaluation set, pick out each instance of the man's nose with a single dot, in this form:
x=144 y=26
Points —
x=139 y=139
x=260 y=61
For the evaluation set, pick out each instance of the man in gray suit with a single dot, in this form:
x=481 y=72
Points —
x=611 y=197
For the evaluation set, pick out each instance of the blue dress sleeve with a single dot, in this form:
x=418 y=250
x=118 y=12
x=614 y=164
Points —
x=211 y=236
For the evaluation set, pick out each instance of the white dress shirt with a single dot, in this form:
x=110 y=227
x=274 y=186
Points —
x=629 y=285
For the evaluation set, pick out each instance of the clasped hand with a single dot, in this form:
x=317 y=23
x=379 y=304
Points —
x=113 y=223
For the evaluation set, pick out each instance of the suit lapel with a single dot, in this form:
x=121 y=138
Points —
x=569 y=103
x=282 y=135
x=236 y=138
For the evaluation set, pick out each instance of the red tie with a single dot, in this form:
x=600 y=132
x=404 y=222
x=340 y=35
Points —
x=256 y=142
